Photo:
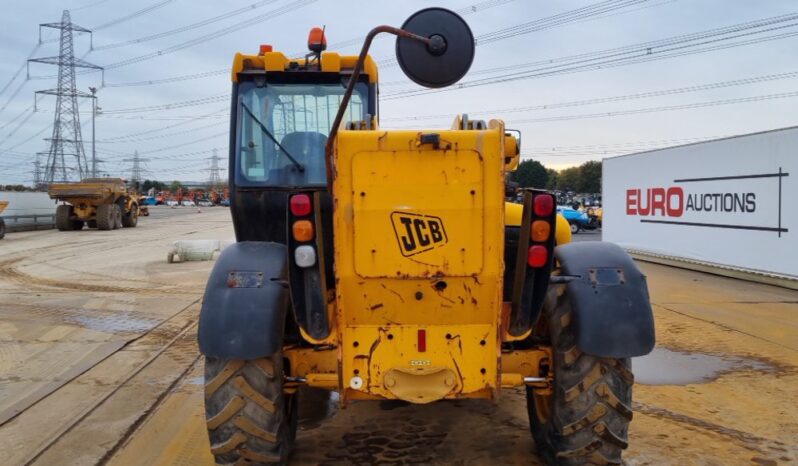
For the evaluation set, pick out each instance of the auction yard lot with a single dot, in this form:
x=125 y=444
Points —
x=99 y=365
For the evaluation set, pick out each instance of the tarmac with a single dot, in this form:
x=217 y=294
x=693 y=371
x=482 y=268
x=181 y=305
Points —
x=99 y=365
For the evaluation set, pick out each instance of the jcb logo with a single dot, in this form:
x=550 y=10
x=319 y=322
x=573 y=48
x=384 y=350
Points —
x=418 y=233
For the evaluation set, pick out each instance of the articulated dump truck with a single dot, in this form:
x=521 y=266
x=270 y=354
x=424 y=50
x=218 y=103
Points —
x=386 y=264
x=102 y=203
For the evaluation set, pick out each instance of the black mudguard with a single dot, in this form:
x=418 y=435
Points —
x=244 y=309
x=609 y=300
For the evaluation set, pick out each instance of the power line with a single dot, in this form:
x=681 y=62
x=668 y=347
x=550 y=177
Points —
x=637 y=53
x=90 y=5
x=173 y=79
x=177 y=146
x=475 y=8
x=20 y=69
x=288 y=8
x=182 y=104
x=166 y=135
x=163 y=128
x=713 y=103
x=601 y=100
x=189 y=27
x=130 y=16
x=592 y=11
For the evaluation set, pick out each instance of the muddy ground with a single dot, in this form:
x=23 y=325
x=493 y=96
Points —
x=99 y=365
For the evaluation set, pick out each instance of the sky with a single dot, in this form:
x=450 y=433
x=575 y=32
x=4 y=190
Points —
x=582 y=87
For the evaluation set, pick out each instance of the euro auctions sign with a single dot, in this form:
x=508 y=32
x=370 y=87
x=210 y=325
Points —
x=731 y=202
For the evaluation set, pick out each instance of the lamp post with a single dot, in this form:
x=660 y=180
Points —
x=93 y=116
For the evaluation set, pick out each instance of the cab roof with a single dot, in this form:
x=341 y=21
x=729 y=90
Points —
x=331 y=62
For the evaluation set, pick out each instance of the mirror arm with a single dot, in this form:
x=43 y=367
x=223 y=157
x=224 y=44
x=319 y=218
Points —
x=351 y=87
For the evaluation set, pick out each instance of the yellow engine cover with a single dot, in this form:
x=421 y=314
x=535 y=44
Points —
x=419 y=245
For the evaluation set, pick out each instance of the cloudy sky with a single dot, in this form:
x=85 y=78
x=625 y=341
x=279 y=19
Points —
x=582 y=79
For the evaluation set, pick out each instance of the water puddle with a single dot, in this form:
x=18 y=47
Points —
x=668 y=367
x=198 y=380
x=114 y=324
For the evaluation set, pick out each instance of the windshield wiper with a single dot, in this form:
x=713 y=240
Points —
x=266 y=131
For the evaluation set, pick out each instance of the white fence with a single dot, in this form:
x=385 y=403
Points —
x=729 y=202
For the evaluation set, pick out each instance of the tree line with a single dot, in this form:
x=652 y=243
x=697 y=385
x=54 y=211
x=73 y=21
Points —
x=585 y=178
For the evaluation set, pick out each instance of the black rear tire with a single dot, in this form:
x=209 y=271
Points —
x=585 y=420
x=91 y=224
x=105 y=216
x=117 y=213
x=62 y=218
x=248 y=416
x=131 y=219
x=2 y=228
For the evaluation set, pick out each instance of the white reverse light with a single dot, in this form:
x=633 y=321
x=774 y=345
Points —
x=305 y=256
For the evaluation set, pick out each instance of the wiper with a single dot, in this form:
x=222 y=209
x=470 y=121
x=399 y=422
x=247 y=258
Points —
x=266 y=131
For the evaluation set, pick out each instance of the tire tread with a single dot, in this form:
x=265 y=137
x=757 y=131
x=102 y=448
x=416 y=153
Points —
x=591 y=410
x=245 y=411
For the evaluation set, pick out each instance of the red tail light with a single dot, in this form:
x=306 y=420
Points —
x=300 y=204
x=537 y=256
x=422 y=340
x=544 y=205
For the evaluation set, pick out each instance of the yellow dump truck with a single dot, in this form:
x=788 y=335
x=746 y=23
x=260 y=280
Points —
x=102 y=203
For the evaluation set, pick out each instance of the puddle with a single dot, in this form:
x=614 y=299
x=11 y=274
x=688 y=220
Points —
x=668 y=367
x=114 y=324
x=198 y=380
x=316 y=405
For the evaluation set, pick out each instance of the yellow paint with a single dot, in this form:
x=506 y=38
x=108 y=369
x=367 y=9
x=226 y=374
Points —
x=86 y=195
x=512 y=154
x=331 y=62
x=562 y=233
x=449 y=287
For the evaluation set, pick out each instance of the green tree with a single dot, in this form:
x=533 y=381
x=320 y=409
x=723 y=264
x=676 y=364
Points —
x=530 y=174
x=551 y=178
x=176 y=185
x=590 y=177
x=568 y=179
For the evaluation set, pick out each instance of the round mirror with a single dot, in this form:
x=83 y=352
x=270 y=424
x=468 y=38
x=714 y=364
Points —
x=446 y=58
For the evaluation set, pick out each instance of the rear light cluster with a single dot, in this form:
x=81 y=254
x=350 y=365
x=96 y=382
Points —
x=540 y=230
x=302 y=230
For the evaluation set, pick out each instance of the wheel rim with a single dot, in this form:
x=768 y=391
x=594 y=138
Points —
x=574 y=228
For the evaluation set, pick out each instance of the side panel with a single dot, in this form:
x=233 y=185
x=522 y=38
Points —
x=246 y=299
x=609 y=300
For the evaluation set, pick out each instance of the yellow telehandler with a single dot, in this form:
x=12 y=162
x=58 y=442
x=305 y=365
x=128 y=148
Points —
x=385 y=264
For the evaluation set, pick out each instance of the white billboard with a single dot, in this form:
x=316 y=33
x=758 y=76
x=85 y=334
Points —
x=731 y=202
